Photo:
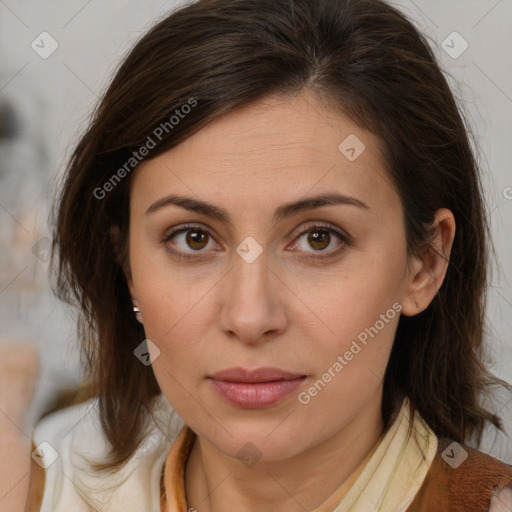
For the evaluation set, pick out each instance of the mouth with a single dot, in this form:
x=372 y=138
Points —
x=258 y=375
x=258 y=388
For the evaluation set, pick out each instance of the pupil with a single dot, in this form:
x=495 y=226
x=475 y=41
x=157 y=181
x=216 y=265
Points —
x=195 y=239
x=315 y=239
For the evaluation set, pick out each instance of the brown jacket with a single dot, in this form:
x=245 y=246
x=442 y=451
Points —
x=465 y=488
x=468 y=487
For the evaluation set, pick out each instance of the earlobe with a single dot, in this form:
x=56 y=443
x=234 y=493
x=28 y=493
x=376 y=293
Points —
x=428 y=269
x=410 y=304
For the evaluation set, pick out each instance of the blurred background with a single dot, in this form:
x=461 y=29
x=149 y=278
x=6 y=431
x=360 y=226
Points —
x=57 y=57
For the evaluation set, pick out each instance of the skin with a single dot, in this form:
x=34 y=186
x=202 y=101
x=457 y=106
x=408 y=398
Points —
x=282 y=310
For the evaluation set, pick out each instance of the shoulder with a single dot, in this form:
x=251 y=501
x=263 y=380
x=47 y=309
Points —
x=51 y=443
x=462 y=478
x=69 y=441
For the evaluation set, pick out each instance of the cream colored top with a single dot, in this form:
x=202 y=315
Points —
x=68 y=439
x=73 y=436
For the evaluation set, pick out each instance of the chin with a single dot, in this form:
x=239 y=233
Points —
x=253 y=442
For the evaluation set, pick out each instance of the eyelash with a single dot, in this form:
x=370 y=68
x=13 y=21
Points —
x=320 y=227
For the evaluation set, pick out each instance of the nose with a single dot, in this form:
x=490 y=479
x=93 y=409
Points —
x=252 y=303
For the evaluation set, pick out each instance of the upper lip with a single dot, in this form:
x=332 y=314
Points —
x=263 y=374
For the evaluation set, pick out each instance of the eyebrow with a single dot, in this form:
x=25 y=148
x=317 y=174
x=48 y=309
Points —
x=283 y=211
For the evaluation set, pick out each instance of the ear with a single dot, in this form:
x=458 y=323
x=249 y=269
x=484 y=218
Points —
x=115 y=237
x=428 y=269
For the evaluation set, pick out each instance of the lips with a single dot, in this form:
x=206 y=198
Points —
x=263 y=374
x=253 y=389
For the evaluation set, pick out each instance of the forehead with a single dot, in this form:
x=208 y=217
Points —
x=281 y=146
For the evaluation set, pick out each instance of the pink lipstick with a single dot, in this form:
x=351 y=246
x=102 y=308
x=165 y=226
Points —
x=253 y=389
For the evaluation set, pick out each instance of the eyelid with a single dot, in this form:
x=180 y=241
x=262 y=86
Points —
x=185 y=227
x=327 y=225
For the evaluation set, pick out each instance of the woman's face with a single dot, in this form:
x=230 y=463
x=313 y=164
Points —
x=251 y=272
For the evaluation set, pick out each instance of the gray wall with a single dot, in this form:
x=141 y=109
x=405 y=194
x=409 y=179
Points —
x=51 y=98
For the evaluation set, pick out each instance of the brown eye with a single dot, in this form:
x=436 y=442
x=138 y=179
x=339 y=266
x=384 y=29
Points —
x=188 y=240
x=319 y=239
x=196 y=239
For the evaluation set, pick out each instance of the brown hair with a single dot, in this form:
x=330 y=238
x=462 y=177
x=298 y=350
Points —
x=368 y=59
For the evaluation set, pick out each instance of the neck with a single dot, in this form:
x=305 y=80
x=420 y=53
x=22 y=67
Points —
x=215 y=482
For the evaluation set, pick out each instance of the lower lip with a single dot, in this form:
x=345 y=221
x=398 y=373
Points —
x=249 y=395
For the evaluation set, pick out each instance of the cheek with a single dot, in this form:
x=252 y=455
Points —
x=350 y=364
x=354 y=314
x=344 y=302
x=177 y=312
x=169 y=296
